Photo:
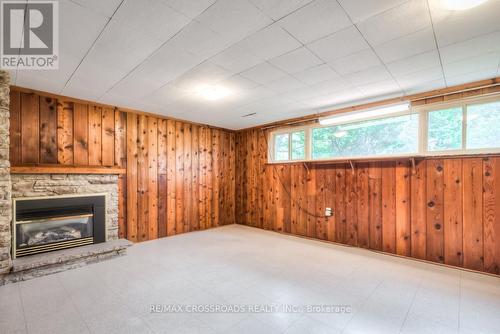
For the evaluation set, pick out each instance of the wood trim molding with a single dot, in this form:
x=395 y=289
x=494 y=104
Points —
x=66 y=170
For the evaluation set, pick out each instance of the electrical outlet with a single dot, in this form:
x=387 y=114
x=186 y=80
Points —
x=328 y=212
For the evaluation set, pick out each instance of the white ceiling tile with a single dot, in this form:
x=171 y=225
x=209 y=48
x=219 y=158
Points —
x=475 y=64
x=106 y=8
x=234 y=19
x=279 y=8
x=27 y=78
x=457 y=26
x=81 y=22
x=470 y=48
x=414 y=64
x=356 y=62
x=425 y=86
x=270 y=42
x=407 y=46
x=121 y=48
x=203 y=74
x=263 y=73
x=239 y=84
x=316 y=20
x=200 y=40
x=236 y=59
x=166 y=64
x=360 y=10
x=382 y=88
x=296 y=61
x=316 y=74
x=331 y=86
x=415 y=79
x=285 y=84
x=397 y=22
x=166 y=95
x=483 y=74
x=134 y=86
x=189 y=8
x=151 y=18
x=339 y=44
x=373 y=74
x=331 y=101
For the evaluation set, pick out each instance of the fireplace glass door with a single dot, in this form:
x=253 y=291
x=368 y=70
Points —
x=47 y=233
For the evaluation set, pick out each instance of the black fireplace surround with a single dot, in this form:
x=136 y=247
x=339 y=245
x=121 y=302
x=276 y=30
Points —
x=48 y=224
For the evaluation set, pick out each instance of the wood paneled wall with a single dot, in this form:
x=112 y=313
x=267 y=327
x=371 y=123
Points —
x=443 y=210
x=180 y=176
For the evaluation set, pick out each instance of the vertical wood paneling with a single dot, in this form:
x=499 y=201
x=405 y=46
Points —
x=403 y=209
x=30 y=140
x=351 y=207
x=162 y=178
x=389 y=207
x=132 y=151
x=491 y=214
x=48 y=130
x=65 y=133
x=152 y=156
x=435 y=219
x=375 y=205
x=171 y=178
x=121 y=161
x=15 y=128
x=215 y=176
x=453 y=228
x=108 y=136
x=188 y=191
x=419 y=211
x=339 y=208
x=363 y=212
x=95 y=136
x=472 y=171
x=179 y=177
x=195 y=165
x=142 y=179
x=81 y=134
x=120 y=138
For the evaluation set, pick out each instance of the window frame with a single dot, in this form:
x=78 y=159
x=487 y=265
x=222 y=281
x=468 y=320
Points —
x=422 y=146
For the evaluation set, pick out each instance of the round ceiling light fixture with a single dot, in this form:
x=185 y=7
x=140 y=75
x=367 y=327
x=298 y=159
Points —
x=213 y=93
x=462 y=4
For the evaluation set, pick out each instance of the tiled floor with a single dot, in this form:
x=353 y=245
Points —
x=237 y=265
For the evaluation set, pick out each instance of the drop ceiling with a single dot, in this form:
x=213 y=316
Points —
x=279 y=58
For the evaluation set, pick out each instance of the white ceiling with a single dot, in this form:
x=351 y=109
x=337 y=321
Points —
x=280 y=58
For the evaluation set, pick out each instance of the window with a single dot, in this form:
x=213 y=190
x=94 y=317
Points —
x=463 y=127
x=281 y=146
x=445 y=129
x=298 y=145
x=387 y=136
x=483 y=126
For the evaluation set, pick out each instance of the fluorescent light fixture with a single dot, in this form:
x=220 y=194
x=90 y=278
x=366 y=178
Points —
x=213 y=92
x=365 y=114
x=461 y=4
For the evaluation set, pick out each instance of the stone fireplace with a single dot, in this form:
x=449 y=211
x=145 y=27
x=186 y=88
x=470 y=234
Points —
x=38 y=231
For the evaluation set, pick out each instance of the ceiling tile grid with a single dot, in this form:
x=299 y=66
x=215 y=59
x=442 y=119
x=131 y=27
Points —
x=277 y=58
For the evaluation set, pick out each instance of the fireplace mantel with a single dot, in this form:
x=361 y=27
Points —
x=66 y=170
